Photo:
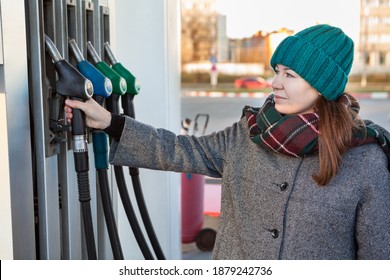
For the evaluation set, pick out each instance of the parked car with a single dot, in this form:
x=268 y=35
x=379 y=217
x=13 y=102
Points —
x=251 y=83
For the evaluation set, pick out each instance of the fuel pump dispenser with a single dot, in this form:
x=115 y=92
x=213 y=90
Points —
x=71 y=83
x=133 y=88
x=112 y=104
x=102 y=89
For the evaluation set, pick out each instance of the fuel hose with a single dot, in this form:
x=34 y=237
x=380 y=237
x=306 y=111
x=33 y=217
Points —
x=102 y=89
x=112 y=105
x=133 y=88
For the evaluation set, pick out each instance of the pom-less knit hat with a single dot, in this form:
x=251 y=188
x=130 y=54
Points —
x=322 y=55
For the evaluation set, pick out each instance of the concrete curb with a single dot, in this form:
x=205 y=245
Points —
x=219 y=94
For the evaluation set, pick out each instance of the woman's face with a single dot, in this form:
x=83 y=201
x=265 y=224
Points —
x=293 y=95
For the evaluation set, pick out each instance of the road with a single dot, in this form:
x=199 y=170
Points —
x=224 y=111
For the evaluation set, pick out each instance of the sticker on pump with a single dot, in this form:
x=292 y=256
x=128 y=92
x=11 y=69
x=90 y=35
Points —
x=137 y=85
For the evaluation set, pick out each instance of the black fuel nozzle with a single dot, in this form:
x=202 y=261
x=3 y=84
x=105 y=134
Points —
x=71 y=83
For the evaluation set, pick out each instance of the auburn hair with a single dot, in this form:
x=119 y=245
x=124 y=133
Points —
x=337 y=122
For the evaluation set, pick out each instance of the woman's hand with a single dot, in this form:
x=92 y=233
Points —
x=96 y=116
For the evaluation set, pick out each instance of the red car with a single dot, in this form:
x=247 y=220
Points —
x=251 y=83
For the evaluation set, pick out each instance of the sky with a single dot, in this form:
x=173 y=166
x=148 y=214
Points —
x=246 y=17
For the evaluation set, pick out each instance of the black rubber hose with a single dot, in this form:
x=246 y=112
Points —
x=109 y=215
x=134 y=173
x=128 y=109
x=120 y=179
x=85 y=198
x=82 y=167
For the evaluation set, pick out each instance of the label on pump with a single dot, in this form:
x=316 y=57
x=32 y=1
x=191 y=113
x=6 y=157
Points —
x=80 y=144
x=137 y=85
x=123 y=85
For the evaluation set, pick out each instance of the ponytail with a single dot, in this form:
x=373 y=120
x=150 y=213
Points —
x=336 y=126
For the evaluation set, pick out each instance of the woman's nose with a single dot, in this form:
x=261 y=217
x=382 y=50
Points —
x=276 y=83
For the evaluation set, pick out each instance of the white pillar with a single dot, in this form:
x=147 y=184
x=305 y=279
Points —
x=146 y=40
x=16 y=186
x=6 y=249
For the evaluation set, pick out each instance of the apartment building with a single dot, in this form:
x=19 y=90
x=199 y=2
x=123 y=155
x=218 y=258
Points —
x=374 y=39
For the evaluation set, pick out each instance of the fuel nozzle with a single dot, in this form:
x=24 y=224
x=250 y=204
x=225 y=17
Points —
x=118 y=83
x=71 y=82
x=133 y=84
x=101 y=84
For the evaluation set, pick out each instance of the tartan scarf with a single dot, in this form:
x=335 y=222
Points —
x=297 y=135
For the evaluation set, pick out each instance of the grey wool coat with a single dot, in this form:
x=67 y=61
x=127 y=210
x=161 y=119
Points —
x=271 y=208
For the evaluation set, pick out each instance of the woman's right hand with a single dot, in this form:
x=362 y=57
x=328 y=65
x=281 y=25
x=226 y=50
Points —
x=96 y=116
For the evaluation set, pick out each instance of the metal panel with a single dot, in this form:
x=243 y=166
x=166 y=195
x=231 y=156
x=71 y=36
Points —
x=45 y=167
x=60 y=234
x=69 y=25
x=87 y=25
x=70 y=209
x=98 y=33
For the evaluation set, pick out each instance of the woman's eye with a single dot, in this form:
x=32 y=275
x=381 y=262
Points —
x=289 y=75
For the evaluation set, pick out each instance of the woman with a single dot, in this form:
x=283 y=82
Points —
x=303 y=177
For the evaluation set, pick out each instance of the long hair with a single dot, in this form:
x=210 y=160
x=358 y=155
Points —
x=336 y=125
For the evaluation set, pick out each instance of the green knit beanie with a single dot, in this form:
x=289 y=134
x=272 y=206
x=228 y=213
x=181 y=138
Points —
x=322 y=55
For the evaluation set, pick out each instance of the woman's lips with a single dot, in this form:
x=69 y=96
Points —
x=278 y=97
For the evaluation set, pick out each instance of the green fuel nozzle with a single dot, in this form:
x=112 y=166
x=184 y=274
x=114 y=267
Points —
x=101 y=84
x=118 y=83
x=133 y=84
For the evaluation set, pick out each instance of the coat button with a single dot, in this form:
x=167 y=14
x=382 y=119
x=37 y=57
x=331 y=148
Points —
x=283 y=186
x=275 y=233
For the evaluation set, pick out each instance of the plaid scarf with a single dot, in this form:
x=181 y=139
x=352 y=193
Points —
x=297 y=135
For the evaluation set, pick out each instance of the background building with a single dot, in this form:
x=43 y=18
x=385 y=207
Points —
x=204 y=42
x=258 y=48
x=199 y=29
x=204 y=39
x=374 y=39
